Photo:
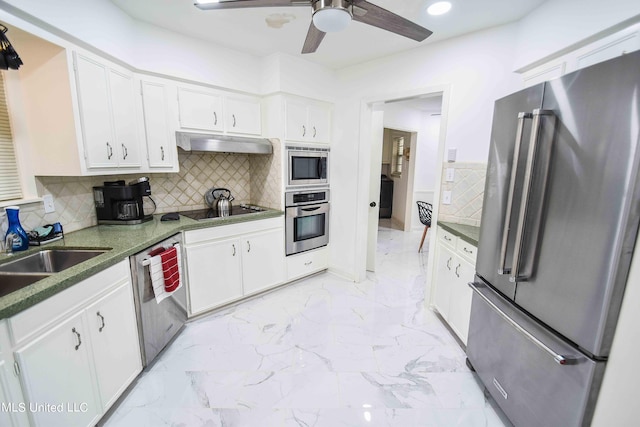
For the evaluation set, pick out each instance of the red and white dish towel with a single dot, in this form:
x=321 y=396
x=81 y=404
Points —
x=165 y=269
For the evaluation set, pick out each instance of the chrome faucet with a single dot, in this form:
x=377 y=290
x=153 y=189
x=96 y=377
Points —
x=8 y=243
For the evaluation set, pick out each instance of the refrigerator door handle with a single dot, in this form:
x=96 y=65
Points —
x=502 y=269
x=524 y=204
x=560 y=359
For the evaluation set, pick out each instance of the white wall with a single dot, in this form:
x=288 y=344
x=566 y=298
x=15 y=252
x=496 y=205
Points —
x=559 y=24
x=475 y=68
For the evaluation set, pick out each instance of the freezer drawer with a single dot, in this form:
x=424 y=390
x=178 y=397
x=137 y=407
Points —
x=536 y=378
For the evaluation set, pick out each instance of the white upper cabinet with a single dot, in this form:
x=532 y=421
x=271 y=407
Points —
x=107 y=112
x=243 y=115
x=209 y=110
x=199 y=110
x=307 y=121
x=160 y=139
x=611 y=46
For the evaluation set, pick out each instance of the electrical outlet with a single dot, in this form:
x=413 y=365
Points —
x=49 y=207
x=446 y=197
x=450 y=174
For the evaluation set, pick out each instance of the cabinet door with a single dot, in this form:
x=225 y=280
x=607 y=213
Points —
x=242 y=115
x=8 y=414
x=263 y=260
x=160 y=146
x=93 y=98
x=319 y=124
x=114 y=340
x=460 y=302
x=57 y=370
x=296 y=118
x=199 y=110
x=445 y=264
x=124 y=119
x=215 y=274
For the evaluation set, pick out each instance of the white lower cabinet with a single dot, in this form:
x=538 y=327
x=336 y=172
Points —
x=114 y=339
x=455 y=268
x=12 y=406
x=57 y=370
x=306 y=263
x=262 y=260
x=78 y=350
x=215 y=274
x=225 y=263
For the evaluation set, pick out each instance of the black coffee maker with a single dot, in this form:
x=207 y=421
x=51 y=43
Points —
x=119 y=203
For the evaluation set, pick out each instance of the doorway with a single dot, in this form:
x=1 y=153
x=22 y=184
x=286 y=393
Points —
x=408 y=156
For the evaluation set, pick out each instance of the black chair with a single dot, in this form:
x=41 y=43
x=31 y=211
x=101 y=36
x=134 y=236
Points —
x=424 y=211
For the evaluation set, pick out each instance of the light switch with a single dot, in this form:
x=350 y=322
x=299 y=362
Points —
x=446 y=197
x=451 y=155
x=450 y=174
x=49 y=207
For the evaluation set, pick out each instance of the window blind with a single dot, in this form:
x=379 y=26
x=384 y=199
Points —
x=10 y=187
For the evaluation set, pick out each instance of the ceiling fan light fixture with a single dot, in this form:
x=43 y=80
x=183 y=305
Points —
x=439 y=8
x=331 y=16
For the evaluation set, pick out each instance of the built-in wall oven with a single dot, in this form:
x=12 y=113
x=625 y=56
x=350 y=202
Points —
x=307 y=219
x=307 y=166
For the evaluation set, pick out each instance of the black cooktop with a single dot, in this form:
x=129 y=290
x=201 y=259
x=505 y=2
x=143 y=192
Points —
x=202 y=214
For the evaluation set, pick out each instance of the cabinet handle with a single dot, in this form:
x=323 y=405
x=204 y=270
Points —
x=102 y=320
x=234 y=120
x=234 y=250
x=314 y=131
x=447 y=238
x=162 y=151
x=16 y=368
x=109 y=151
x=248 y=246
x=304 y=130
x=215 y=118
x=78 y=336
x=308 y=263
x=467 y=250
x=457 y=275
x=448 y=266
x=126 y=153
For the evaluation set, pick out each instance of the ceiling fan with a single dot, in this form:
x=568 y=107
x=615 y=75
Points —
x=331 y=16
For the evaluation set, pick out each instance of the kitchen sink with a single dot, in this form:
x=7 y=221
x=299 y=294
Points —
x=24 y=271
x=50 y=260
x=10 y=282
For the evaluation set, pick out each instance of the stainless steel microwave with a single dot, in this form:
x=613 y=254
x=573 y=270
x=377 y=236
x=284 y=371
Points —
x=307 y=166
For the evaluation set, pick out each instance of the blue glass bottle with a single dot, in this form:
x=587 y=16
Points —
x=20 y=239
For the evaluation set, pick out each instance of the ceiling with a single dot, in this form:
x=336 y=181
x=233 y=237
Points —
x=247 y=30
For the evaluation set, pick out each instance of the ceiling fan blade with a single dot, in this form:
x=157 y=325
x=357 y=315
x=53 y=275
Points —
x=313 y=40
x=240 y=4
x=369 y=13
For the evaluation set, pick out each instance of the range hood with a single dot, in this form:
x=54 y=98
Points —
x=212 y=143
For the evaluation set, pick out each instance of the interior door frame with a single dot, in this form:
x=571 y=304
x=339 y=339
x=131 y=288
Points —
x=364 y=167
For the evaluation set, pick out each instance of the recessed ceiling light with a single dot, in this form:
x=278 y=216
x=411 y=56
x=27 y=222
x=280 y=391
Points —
x=439 y=8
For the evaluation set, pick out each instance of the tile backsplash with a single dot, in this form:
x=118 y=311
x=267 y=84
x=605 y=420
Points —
x=467 y=192
x=254 y=179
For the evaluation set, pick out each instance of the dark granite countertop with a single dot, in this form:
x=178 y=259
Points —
x=122 y=240
x=468 y=233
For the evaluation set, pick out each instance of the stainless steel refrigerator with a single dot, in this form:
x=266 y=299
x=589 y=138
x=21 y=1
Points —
x=559 y=224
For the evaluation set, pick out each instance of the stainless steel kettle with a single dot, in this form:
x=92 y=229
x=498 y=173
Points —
x=223 y=205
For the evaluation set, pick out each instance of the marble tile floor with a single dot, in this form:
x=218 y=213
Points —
x=323 y=351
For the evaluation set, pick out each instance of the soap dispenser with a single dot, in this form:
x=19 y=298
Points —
x=16 y=237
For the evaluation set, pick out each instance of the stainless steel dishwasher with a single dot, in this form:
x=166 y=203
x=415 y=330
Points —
x=159 y=323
